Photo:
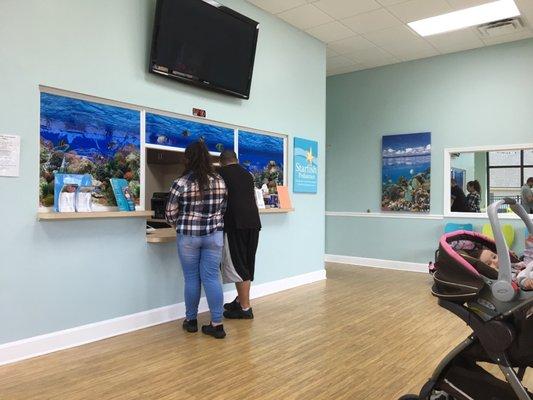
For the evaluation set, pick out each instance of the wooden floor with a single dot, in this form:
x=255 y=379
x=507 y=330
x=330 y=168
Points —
x=362 y=334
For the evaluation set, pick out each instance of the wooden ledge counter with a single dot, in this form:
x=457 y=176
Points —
x=65 y=216
x=168 y=235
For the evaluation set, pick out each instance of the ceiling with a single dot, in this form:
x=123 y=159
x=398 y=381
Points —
x=362 y=34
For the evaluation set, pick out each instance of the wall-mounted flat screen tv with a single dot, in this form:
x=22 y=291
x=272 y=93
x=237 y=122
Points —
x=204 y=43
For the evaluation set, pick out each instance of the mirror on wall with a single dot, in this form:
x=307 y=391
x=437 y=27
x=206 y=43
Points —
x=479 y=178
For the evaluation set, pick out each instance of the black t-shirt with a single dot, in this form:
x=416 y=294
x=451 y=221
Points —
x=459 y=203
x=242 y=212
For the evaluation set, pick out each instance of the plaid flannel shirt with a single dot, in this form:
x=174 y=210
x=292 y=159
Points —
x=191 y=215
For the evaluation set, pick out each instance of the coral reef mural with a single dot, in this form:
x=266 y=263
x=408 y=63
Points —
x=84 y=137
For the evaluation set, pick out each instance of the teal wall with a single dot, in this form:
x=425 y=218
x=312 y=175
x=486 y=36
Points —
x=473 y=98
x=57 y=275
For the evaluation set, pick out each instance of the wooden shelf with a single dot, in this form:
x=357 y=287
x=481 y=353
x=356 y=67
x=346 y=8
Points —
x=56 y=216
x=275 y=210
x=165 y=235
x=168 y=235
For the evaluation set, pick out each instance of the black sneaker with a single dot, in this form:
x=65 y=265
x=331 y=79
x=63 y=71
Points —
x=190 y=326
x=216 y=331
x=234 y=305
x=239 y=314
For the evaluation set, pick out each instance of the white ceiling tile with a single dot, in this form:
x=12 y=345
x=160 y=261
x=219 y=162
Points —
x=413 y=10
x=346 y=8
x=331 y=31
x=410 y=48
x=350 y=45
x=330 y=52
x=305 y=17
x=371 y=56
x=372 y=21
x=338 y=61
x=391 y=35
x=461 y=4
x=387 y=3
x=451 y=42
x=408 y=54
x=345 y=70
x=526 y=9
x=277 y=6
x=524 y=34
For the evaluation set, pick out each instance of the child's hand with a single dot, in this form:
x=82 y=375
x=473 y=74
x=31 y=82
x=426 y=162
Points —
x=528 y=284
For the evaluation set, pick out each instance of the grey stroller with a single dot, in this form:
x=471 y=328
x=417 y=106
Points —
x=496 y=309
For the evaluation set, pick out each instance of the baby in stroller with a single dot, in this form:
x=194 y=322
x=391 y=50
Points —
x=474 y=279
x=522 y=271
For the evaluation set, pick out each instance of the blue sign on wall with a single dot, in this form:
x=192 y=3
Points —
x=305 y=166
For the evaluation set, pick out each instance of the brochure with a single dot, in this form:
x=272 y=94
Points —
x=123 y=195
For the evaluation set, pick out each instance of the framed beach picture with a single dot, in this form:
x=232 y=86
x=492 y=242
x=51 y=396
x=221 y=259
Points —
x=406 y=172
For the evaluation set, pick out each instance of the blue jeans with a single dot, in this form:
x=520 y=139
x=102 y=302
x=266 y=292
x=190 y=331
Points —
x=200 y=258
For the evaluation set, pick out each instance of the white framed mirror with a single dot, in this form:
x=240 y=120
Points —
x=475 y=177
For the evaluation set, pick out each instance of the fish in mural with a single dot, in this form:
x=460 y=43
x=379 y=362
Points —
x=162 y=139
x=220 y=147
x=185 y=133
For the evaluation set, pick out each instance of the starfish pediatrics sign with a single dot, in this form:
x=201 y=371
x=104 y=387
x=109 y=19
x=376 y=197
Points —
x=305 y=165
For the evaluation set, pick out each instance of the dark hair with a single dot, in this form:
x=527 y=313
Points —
x=198 y=163
x=475 y=252
x=530 y=179
x=475 y=184
x=228 y=157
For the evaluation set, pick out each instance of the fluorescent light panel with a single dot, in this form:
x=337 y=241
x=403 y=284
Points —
x=461 y=19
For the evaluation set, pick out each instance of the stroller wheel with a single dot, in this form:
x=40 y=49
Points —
x=409 y=397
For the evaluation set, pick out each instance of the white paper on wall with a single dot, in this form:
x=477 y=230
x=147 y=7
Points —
x=9 y=155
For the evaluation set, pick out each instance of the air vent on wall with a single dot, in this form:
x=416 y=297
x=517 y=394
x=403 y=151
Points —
x=502 y=27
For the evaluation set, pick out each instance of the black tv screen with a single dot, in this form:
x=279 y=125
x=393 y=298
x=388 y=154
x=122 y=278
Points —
x=204 y=43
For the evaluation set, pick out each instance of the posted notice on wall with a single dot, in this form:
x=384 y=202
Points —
x=9 y=155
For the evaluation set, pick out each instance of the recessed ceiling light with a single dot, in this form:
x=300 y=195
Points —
x=461 y=19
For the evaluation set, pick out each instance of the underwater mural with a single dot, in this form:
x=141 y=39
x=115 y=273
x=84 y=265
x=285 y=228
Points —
x=84 y=137
x=264 y=157
x=406 y=172
x=176 y=132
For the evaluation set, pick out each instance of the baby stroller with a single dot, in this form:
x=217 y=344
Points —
x=498 y=312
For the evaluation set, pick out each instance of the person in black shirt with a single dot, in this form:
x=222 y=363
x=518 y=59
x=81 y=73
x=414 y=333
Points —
x=458 y=198
x=241 y=234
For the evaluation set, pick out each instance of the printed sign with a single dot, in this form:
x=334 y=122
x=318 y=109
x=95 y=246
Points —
x=305 y=166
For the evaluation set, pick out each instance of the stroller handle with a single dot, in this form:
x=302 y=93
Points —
x=503 y=289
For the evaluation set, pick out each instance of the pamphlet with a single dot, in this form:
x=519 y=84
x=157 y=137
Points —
x=65 y=187
x=259 y=199
x=284 y=198
x=123 y=195
x=84 y=199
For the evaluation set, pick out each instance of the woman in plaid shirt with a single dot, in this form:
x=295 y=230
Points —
x=196 y=209
x=473 y=199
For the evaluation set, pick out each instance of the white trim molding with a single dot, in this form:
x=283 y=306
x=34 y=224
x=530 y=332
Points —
x=383 y=215
x=65 y=339
x=377 y=263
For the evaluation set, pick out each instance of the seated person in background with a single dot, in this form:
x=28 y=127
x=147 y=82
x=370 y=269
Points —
x=458 y=198
x=473 y=199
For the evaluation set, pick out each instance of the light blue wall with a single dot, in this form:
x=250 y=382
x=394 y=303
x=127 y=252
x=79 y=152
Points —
x=57 y=275
x=478 y=97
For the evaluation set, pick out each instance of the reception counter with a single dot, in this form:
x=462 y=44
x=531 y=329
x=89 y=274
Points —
x=168 y=235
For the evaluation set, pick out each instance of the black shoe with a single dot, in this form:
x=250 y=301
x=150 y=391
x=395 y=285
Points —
x=216 y=331
x=190 y=326
x=234 y=305
x=239 y=314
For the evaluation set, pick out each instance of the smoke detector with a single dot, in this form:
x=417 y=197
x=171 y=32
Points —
x=502 y=27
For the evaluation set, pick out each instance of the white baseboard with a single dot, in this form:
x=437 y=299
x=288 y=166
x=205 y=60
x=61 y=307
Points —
x=377 y=263
x=55 y=341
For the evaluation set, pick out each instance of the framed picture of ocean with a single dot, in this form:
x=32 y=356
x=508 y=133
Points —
x=85 y=137
x=406 y=172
